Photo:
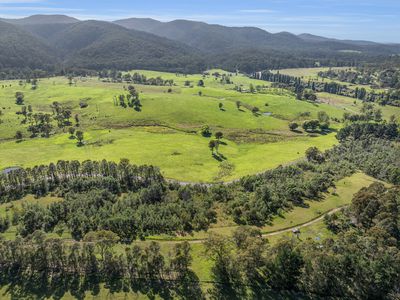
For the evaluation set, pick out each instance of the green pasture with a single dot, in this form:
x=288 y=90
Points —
x=312 y=74
x=179 y=155
x=165 y=133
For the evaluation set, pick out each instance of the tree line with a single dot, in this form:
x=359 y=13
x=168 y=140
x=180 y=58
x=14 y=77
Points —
x=42 y=179
x=44 y=266
x=302 y=89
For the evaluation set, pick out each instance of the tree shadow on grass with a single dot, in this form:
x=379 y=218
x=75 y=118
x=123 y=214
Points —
x=297 y=131
x=219 y=156
x=40 y=286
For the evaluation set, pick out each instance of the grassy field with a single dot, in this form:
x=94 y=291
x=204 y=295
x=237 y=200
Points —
x=354 y=106
x=308 y=73
x=165 y=132
x=312 y=74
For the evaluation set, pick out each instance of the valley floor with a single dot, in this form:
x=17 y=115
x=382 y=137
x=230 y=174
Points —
x=166 y=132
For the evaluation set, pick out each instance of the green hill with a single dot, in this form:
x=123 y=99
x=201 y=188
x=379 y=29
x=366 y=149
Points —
x=97 y=45
x=20 y=49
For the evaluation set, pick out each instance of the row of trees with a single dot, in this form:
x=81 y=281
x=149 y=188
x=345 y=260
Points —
x=378 y=77
x=300 y=87
x=136 y=78
x=41 y=266
x=356 y=131
x=43 y=179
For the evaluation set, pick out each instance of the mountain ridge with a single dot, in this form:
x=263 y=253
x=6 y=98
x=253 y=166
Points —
x=179 y=45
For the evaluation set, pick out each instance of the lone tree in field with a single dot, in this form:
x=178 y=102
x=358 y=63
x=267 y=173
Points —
x=323 y=117
x=71 y=131
x=212 y=145
x=18 y=136
x=255 y=110
x=238 y=104
x=311 y=125
x=19 y=98
x=221 y=106
x=200 y=83
x=79 y=136
x=293 y=126
x=219 y=135
x=77 y=120
x=205 y=130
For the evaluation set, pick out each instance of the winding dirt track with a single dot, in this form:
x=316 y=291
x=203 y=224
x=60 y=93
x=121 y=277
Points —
x=265 y=235
x=332 y=211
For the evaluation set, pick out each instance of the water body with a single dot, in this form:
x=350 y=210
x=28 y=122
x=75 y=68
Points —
x=267 y=114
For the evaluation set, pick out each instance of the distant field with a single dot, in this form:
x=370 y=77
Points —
x=354 y=105
x=165 y=132
x=312 y=74
x=308 y=73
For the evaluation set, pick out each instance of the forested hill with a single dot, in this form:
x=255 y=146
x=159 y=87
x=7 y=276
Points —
x=57 y=42
x=92 y=45
x=99 y=45
x=216 y=38
x=19 y=48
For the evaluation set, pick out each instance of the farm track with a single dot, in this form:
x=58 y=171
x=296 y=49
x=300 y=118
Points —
x=268 y=234
x=264 y=235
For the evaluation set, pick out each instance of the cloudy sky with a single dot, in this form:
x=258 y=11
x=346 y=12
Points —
x=377 y=20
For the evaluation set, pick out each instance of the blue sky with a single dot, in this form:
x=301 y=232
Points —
x=377 y=20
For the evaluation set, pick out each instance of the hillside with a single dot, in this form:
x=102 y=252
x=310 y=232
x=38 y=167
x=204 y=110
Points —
x=212 y=38
x=217 y=38
x=20 y=49
x=92 y=45
x=177 y=46
x=96 y=44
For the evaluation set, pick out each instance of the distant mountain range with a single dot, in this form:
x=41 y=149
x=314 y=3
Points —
x=219 y=38
x=40 y=41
